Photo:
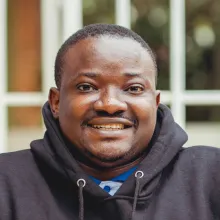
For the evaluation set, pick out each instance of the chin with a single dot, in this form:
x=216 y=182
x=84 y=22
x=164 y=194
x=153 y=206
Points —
x=107 y=159
x=108 y=163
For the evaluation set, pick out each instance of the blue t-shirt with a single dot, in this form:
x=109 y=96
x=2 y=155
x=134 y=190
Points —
x=112 y=186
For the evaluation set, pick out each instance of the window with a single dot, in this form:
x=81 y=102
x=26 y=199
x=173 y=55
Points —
x=183 y=34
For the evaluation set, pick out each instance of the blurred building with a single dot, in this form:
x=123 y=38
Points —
x=185 y=36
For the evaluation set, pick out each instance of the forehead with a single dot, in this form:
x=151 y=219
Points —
x=110 y=54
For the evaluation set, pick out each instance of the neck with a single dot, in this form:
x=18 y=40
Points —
x=109 y=173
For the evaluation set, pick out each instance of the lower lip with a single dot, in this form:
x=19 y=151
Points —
x=110 y=133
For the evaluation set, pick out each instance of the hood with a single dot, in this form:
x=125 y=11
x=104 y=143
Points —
x=53 y=153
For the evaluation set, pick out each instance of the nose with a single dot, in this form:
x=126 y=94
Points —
x=109 y=102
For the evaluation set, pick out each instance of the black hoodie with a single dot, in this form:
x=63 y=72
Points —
x=178 y=183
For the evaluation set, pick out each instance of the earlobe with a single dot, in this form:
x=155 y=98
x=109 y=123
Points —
x=54 y=99
x=157 y=97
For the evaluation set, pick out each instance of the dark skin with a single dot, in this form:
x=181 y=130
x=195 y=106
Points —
x=107 y=103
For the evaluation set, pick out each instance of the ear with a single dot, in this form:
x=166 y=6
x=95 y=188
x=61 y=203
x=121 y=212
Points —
x=157 y=97
x=54 y=100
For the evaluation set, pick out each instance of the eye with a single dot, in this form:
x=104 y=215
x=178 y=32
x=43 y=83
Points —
x=86 y=87
x=136 y=89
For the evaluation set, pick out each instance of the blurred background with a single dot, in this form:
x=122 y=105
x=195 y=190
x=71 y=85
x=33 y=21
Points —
x=185 y=36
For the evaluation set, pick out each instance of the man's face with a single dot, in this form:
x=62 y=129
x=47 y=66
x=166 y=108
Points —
x=107 y=102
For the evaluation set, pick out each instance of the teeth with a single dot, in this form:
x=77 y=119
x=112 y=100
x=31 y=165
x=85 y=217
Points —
x=109 y=126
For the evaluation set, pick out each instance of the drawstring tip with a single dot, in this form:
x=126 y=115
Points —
x=138 y=175
x=81 y=184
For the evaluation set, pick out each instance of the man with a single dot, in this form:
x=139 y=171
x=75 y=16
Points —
x=111 y=150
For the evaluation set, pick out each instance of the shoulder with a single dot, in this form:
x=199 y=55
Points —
x=16 y=157
x=201 y=152
x=200 y=159
x=16 y=163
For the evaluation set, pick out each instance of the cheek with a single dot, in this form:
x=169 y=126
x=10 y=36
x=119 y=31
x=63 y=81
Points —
x=70 y=118
x=144 y=109
x=75 y=108
x=145 y=112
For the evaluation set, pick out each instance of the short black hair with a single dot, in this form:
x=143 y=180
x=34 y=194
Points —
x=96 y=30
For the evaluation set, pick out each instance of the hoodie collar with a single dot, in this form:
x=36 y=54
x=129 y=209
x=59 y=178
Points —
x=166 y=143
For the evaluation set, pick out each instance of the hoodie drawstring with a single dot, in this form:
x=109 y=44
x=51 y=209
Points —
x=81 y=183
x=138 y=175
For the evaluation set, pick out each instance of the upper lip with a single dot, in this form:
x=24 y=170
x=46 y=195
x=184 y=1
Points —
x=105 y=121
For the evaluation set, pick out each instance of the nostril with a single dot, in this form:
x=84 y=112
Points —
x=102 y=113
x=118 y=113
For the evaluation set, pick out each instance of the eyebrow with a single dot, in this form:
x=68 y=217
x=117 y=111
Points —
x=127 y=74
x=88 y=74
x=134 y=75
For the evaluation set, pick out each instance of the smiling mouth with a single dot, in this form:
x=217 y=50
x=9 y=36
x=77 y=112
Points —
x=109 y=127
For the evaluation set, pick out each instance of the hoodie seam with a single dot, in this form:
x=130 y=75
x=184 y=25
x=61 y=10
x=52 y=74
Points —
x=165 y=153
x=64 y=145
x=58 y=161
x=126 y=198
